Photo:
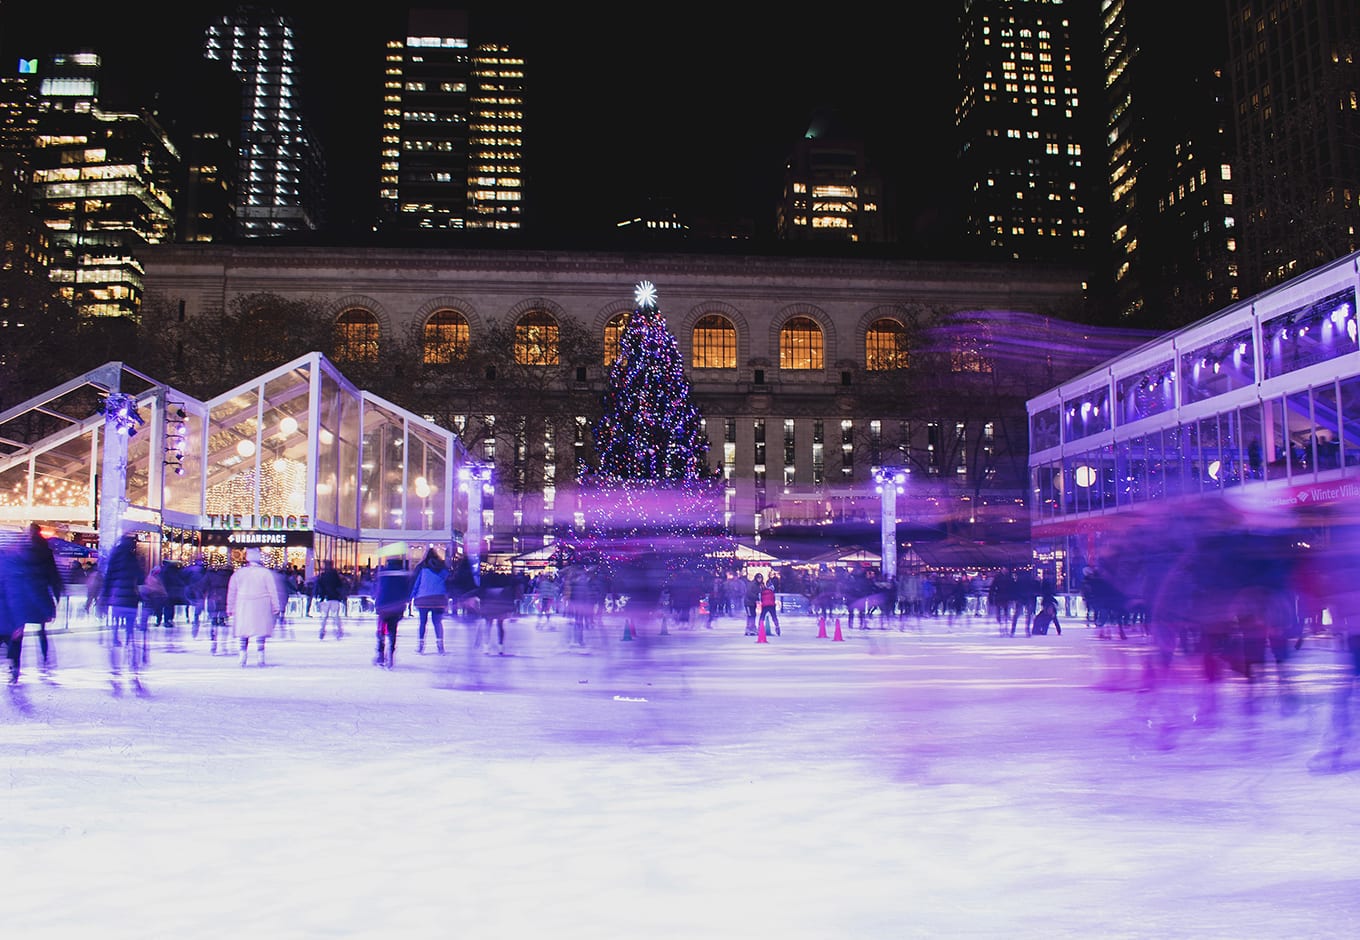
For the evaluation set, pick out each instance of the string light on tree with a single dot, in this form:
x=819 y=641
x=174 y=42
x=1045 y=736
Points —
x=652 y=471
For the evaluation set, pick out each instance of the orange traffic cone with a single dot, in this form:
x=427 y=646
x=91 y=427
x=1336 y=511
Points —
x=628 y=629
x=821 y=628
x=837 y=638
x=760 y=632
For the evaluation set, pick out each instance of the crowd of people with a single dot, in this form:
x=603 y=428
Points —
x=1199 y=600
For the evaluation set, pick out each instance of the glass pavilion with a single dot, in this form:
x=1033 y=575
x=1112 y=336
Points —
x=1257 y=405
x=298 y=462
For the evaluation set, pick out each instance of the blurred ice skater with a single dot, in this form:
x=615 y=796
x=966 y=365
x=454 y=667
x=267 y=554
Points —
x=254 y=602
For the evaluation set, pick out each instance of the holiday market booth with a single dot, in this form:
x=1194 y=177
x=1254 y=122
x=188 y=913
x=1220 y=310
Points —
x=297 y=462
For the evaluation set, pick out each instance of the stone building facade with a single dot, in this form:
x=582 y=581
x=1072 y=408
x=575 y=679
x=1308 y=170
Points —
x=809 y=371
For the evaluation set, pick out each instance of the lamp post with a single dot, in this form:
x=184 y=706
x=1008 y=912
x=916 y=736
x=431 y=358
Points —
x=888 y=482
x=473 y=478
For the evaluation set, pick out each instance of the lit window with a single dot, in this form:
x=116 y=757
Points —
x=613 y=331
x=714 y=343
x=800 y=344
x=536 y=340
x=356 y=336
x=446 y=337
x=885 y=345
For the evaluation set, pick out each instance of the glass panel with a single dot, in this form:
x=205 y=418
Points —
x=61 y=482
x=1156 y=482
x=283 y=461
x=1148 y=393
x=1044 y=429
x=349 y=460
x=1350 y=421
x=183 y=484
x=1108 y=477
x=328 y=451
x=1230 y=449
x=1217 y=367
x=1301 y=437
x=1275 y=445
x=1048 y=483
x=1173 y=463
x=1089 y=414
x=139 y=462
x=435 y=503
x=1318 y=332
x=232 y=455
x=1326 y=419
x=1211 y=477
x=417 y=484
x=1249 y=419
x=1191 y=466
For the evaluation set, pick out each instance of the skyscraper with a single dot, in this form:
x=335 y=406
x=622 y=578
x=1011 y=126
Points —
x=1295 y=71
x=831 y=193
x=102 y=183
x=280 y=170
x=1173 y=241
x=1022 y=138
x=496 y=139
x=452 y=129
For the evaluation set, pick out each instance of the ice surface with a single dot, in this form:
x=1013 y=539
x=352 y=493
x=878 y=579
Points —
x=935 y=781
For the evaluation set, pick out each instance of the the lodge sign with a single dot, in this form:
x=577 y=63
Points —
x=248 y=521
x=243 y=530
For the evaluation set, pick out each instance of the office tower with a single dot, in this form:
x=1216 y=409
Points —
x=19 y=108
x=830 y=193
x=1021 y=129
x=280 y=171
x=1295 y=72
x=102 y=184
x=1173 y=237
x=496 y=139
x=453 y=129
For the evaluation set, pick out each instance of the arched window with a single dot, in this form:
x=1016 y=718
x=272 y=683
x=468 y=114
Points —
x=536 y=340
x=714 y=343
x=446 y=337
x=356 y=336
x=800 y=344
x=613 y=332
x=885 y=345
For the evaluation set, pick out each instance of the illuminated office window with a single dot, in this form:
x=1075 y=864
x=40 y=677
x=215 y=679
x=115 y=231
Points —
x=536 y=340
x=800 y=344
x=446 y=337
x=885 y=345
x=356 y=336
x=715 y=343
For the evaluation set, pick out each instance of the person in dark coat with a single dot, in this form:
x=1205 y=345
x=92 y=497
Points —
x=429 y=596
x=391 y=591
x=120 y=594
x=330 y=593
x=11 y=630
x=33 y=589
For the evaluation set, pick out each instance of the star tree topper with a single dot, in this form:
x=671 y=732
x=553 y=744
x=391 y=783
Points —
x=644 y=295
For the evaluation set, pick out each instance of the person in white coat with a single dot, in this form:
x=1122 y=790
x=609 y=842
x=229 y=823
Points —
x=254 y=600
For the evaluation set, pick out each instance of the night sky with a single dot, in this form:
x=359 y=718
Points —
x=693 y=103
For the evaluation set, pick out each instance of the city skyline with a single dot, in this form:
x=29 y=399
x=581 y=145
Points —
x=699 y=110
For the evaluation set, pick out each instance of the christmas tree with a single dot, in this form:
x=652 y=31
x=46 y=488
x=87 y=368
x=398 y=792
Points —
x=652 y=480
x=651 y=429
